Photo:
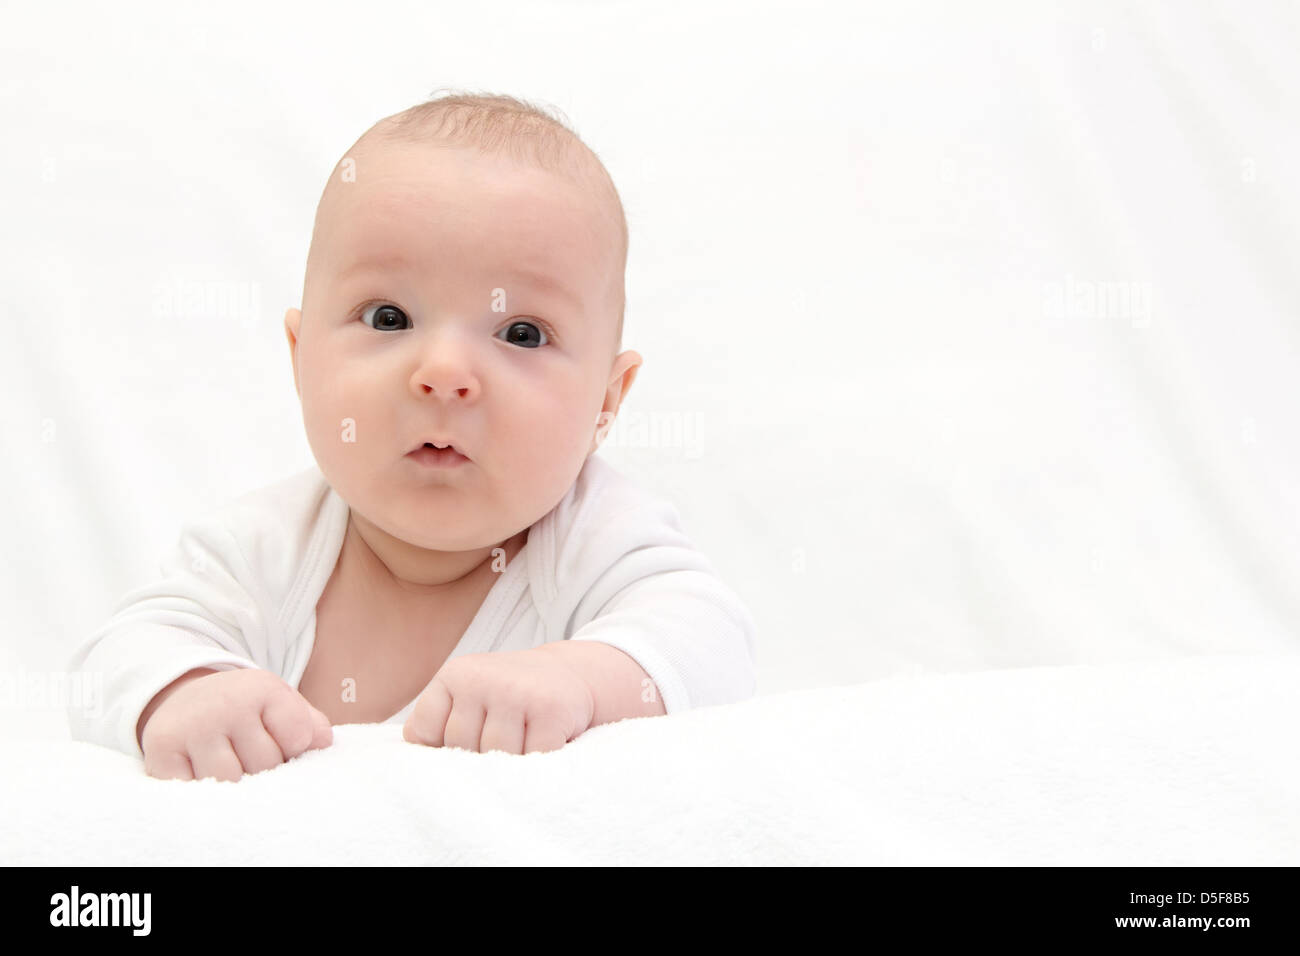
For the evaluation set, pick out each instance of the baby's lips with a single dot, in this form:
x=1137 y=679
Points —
x=440 y=443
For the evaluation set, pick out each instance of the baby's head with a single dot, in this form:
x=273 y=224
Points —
x=465 y=285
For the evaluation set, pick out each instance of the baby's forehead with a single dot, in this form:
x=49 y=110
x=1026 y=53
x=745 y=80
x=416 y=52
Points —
x=406 y=179
x=404 y=193
x=573 y=168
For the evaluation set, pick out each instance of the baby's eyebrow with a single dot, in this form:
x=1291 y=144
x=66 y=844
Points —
x=548 y=283
x=378 y=263
x=519 y=275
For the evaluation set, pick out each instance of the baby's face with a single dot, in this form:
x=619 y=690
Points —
x=457 y=297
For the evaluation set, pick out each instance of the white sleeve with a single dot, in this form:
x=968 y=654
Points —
x=663 y=604
x=198 y=614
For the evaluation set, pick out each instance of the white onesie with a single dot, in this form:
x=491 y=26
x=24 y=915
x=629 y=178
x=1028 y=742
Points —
x=609 y=563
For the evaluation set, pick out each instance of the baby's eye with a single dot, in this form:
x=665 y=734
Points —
x=389 y=318
x=521 y=333
x=384 y=314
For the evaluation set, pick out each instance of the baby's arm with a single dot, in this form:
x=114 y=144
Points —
x=660 y=601
x=619 y=686
x=690 y=636
x=163 y=695
x=198 y=619
x=668 y=635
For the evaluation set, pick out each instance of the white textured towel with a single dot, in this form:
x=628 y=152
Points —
x=1183 y=762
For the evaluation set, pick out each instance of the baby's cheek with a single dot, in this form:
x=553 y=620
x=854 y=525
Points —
x=329 y=426
x=347 y=433
x=565 y=434
x=547 y=459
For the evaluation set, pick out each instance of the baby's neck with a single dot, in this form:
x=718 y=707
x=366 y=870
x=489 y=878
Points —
x=393 y=567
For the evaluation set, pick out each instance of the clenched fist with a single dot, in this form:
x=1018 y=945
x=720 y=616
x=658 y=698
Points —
x=225 y=724
x=515 y=701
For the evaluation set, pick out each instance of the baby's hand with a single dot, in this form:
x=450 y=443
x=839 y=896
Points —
x=516 y=701
x=224 y=724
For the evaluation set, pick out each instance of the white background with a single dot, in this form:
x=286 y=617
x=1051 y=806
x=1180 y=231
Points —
x=976 y=326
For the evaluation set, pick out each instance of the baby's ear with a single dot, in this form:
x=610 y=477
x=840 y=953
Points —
x=292 y=322
x=622 y=375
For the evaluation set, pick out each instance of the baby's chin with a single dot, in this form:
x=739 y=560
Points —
x=461 y=531
x=446 y=526
x=449 y=544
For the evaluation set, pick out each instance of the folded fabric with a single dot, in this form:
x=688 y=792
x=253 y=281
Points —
x=1189 y=761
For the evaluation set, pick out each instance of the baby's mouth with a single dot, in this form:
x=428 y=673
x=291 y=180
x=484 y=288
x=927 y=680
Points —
x=437 y=453
x=438 y=444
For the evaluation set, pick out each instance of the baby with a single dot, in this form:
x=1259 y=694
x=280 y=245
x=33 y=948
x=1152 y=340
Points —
x=460 y=560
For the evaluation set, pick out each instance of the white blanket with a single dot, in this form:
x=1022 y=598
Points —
x=1186 y=762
